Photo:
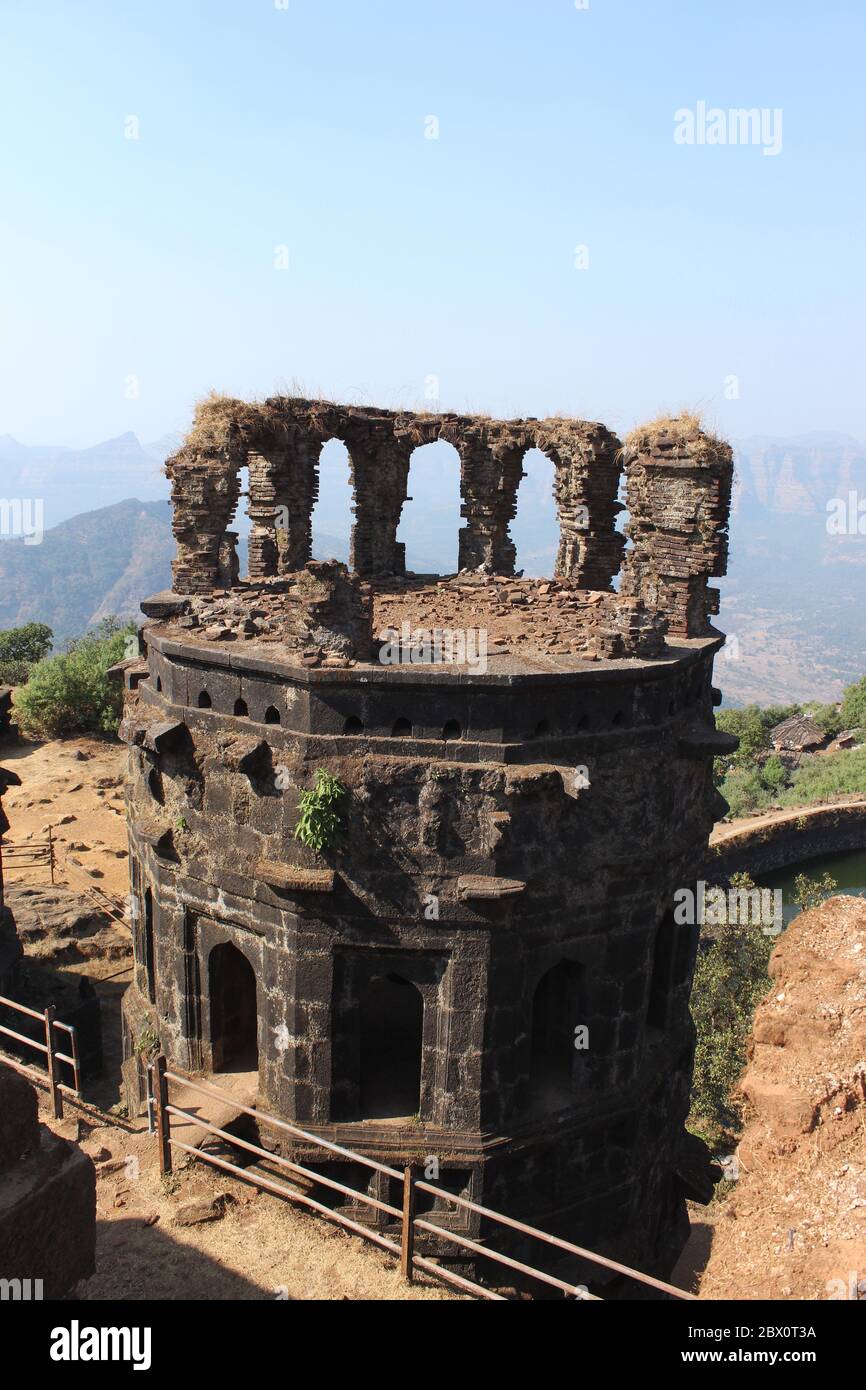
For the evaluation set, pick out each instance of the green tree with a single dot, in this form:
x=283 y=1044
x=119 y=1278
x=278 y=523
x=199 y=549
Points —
x=730 y=981
x=72 y=692
x=811 y=892
x=854 y=705
x=21 y=648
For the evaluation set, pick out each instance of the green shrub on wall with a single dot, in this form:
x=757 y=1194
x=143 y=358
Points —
x=319 y=821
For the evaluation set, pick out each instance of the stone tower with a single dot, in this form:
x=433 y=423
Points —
x=482 y=966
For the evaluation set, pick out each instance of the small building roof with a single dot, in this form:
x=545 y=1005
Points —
x=796 y=733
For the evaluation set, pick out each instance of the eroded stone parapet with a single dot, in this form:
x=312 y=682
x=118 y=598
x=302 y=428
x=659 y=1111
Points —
x=678 y=497
x=491 y=466
x=330 y=611
x=379 y=461
x=204 y=493
x=587 y=458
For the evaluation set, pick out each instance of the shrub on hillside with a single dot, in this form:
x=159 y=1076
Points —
x=20 y=649
x=730 y=981
x=72 y=692
x=823 y=779
x=854 y=706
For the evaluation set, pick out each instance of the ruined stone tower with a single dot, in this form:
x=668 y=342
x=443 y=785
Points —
x=482 y=966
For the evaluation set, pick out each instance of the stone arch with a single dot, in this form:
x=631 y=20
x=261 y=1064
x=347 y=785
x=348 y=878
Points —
x=535 y=528
x=333 y=514
x=430 y=523
x=558 y=1008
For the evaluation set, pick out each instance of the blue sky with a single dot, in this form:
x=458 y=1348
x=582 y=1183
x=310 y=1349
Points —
x=411 y=258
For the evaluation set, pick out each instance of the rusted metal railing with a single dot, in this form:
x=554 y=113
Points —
x=405 y=1214
x=49 y=1051
x=32 y=854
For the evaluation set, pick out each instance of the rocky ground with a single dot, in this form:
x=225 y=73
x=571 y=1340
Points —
x=199 y=1234
x=794 y=1224
x=520 y=617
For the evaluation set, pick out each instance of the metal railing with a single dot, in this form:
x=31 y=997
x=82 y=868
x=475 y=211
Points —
x=49 y=1051
x=32 y=854
x=405 y=1214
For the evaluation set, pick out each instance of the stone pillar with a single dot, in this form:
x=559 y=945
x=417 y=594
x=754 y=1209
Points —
x=205 y=488
x=587 y=460
x=380 y=475
x=228 y=568
x=332 y=610
x=268 y=483
x=679 y=495
x=491 y=467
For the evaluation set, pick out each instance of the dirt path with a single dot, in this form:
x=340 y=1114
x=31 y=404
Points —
x=260 y=1247
x=75 y=785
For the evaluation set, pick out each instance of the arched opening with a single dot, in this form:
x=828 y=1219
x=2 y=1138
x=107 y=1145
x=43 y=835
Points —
x=542 y=728
x=392 y=1020
x=353 y=725
x=240 y=520
x=430 y=521
x=620 y=525
x=204 y=700
x=402 y=728
x=158 y=685
x=452 y=730
x=272 y=715
x=662 y=972
x=241 y=709
x=333 y=514
x=149 y=962
x=233 y=1011
x=535 y=528
x=557 y=1010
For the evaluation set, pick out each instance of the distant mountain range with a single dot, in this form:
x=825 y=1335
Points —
x=794 y=601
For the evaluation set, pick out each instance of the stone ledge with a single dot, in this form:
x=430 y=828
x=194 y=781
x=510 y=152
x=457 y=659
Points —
x=707 y=743
x=292 y=878
x=481 y=886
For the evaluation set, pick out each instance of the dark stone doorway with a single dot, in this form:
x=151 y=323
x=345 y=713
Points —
x=556 y=1011
x=233 y=1012
x=392 y=1017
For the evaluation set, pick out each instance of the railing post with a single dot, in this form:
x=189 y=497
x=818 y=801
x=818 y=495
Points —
x=76 y=1060
x=56 y=1093
x=407 y=1242
x=163 y=1120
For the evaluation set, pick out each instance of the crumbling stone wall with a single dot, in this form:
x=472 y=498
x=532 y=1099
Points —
x=678 y=497
x=281 y=440
x=678 y=478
